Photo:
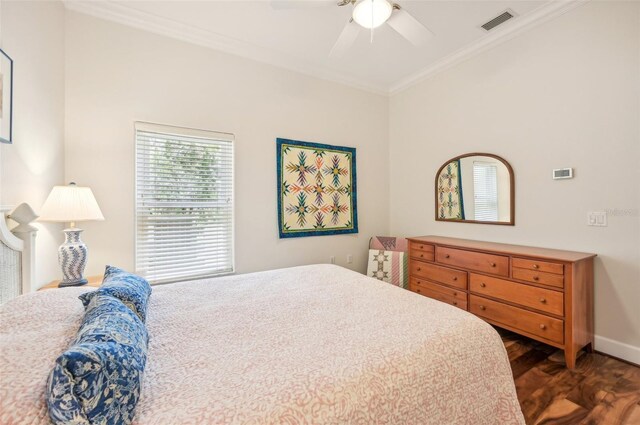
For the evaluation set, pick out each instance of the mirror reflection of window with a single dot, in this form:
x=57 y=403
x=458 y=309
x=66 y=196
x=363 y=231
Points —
x=485 y=191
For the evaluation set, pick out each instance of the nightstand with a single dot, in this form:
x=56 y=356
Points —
x=94 y=281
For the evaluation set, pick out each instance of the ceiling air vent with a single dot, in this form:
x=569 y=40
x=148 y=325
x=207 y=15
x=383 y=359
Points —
x=500 y=19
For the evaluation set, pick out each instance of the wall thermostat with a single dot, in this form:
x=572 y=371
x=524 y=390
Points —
x=562 y=173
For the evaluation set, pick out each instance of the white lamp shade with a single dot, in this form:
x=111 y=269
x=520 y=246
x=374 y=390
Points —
x=372 y=13
x=69 y=204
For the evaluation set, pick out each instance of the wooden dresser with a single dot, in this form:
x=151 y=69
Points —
x=545 y=294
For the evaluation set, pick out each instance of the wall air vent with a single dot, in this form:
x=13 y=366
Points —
x=500 y=19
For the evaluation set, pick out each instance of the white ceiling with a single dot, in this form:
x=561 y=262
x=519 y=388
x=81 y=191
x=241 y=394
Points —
x=302 y=38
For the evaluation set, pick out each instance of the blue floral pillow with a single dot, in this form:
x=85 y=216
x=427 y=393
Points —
x=98 y=379
x=134 y=291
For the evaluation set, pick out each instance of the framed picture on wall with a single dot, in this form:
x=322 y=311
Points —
x=6 y=97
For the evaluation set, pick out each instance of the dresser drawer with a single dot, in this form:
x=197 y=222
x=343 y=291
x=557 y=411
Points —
x=518 y=293
x=538 y=277
x=422 y=284
x=478 y=261
x=440 y=293
x=536 y=324
x=424 y=247
x=421 y=251
x=439 y=274
x=539 y=266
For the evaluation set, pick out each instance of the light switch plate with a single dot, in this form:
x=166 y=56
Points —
x=597 y=218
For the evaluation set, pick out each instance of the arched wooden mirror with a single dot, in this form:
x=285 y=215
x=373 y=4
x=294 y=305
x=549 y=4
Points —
x=476 y=188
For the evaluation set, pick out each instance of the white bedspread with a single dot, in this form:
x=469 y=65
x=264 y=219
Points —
x=306 y=345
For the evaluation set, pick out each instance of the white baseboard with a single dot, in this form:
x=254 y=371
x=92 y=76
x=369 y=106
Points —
x=617 y=349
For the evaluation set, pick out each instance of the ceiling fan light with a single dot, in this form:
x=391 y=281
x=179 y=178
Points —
x=372 y=13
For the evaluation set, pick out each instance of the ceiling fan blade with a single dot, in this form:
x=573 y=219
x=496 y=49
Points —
x=346 y=39
x=299 y=4
x=409 y=27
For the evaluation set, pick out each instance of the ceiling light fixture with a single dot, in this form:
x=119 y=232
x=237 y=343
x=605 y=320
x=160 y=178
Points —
x=372 y=13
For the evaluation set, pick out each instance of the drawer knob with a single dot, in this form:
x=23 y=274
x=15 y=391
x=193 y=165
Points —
x=418 y=291
x=419 y=269
x=535 y=266
x=543 y=300
x=455 y=278
x=455 y=303
x=446 y=255
x=482 y=284
x=493 y=264
x=543 y=326
x=421 y=255
x=536 y=278
x=483 y=307
x=421 y=246
x=455 y=294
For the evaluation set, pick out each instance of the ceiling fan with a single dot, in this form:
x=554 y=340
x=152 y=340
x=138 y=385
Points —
x=368 y=14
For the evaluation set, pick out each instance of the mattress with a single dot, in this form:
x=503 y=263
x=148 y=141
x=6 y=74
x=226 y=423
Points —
x=306 y=345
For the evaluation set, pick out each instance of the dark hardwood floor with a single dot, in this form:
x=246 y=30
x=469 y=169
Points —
x=601 y=390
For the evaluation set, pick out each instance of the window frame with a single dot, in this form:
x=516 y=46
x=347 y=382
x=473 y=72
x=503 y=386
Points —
x=184 y=132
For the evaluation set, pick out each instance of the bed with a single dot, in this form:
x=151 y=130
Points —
x=313 y=344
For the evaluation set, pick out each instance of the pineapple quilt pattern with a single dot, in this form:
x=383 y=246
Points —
x=316 y=189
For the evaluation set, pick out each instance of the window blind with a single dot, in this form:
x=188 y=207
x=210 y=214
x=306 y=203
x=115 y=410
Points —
x=184 y=203
x=485 y=191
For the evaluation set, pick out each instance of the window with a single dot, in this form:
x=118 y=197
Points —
x=485 y=191
x=184 y=203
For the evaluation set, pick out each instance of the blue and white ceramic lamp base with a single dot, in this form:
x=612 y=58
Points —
x=72 y=256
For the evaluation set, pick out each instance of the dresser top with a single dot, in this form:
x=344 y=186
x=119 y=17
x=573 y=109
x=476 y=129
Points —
x=527 y=251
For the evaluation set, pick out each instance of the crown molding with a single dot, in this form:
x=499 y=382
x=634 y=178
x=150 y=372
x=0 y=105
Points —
x=131 y=17
x=128 y=16
x=496 y=37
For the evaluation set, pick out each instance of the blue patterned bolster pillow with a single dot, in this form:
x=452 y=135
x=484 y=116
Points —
x=134 y=291
x=98 y=379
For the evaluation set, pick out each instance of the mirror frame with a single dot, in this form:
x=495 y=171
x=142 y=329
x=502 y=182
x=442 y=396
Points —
x=512 y=192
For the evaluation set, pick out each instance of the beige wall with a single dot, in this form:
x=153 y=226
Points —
x=117 y=75
x=566 y=94
x=33 y=35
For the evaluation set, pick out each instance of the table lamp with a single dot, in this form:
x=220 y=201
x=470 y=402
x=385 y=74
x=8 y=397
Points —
x=70 y=204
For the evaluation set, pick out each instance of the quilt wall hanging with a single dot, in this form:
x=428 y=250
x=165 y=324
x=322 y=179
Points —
x=316 y=189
